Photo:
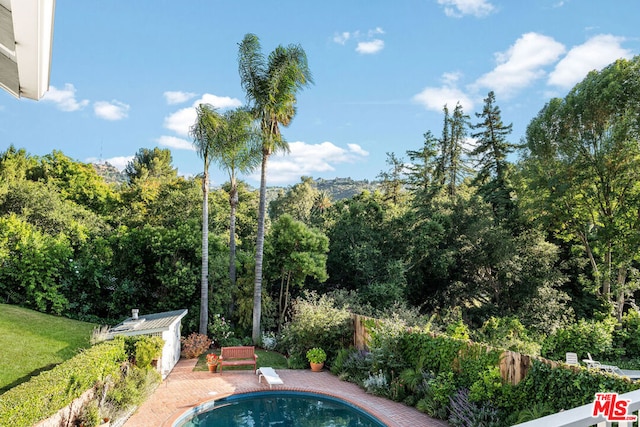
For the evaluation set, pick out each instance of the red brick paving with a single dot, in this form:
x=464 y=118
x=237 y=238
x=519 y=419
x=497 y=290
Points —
x=184 y=388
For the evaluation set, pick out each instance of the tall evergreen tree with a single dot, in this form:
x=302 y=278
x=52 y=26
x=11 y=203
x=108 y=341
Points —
x=491 y=152
x=452 y=167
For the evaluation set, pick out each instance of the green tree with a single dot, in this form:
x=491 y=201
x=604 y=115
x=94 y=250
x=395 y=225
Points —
x=153 y=163
x=452 y=168
x=298 y=201
x=491 y=151
x=270 y=86
x=147 y=173
x=294 y=252
x=33 y=265
x=421 y=171
x=392 y=181
x=583 y=163
x=76 y=181
x=16 y=164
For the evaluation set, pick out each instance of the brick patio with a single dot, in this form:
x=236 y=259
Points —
x=184 y=388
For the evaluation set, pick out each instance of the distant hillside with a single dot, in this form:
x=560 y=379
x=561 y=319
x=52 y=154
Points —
x=338 y=188
x=345 y=188
x=109 y=173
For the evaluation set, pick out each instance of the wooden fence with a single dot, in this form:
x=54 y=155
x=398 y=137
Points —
x=513 y=366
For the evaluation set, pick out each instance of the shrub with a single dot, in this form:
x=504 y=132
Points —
x=194 y=345
x=90 y=414
x=352 y=365
x=132 y=388
x=438 y=392
x=508 y=333
x=584 y=337
x=220 y=331
x=627 y=337
x=376 y=384
x=147 y=349
x=315 y=322
x=45 y=394
x=386 y=347
x=269 y=341
x=465 y=413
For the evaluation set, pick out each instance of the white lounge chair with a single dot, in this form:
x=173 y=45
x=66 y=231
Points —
x=572 y=359
x=629 y=373
x=269 y=375
x=594 y=364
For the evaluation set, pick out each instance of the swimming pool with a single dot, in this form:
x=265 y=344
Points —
x=277 y=408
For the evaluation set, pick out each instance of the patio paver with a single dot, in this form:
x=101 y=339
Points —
x=184 y=388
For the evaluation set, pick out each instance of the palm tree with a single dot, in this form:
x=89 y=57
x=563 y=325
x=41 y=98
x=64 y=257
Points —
x=231 y=141
x=271 y=86
x=208 y=123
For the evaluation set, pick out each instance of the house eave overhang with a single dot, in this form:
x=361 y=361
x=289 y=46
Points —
x=26 y=39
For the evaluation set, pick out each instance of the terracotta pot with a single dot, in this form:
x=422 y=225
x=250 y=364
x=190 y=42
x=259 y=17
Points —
x=213 y=367
x=316 y=367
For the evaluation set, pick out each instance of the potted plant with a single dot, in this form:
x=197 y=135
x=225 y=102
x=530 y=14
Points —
x=212 y=362
x=316 y=357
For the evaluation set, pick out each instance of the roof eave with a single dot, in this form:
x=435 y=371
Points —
x=33 y=33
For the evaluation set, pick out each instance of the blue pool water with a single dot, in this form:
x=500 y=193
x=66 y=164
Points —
x=281 y=408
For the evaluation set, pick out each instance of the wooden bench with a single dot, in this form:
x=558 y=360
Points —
x=238 y=356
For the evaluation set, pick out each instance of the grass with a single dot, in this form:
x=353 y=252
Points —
x=265 y=358
x=33 y=342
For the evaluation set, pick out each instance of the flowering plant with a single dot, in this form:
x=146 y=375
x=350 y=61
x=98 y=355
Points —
x=220 y=330
x=212 y=358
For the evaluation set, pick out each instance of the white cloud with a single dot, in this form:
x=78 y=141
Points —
x=356 y=149
x=310 y=159
x=221 y=102
x=435 y=98
x=183 y=119
x=370 y=47
x=459 y=8
x=114 y=110
x=341 y=38
x=178 y=97
x=65 y=99
x=521 y=64
x=175 y=142
x=596 y=53
x=119 y=163
x=367 y=43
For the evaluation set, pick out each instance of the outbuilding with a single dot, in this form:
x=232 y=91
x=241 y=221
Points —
x=166 y=325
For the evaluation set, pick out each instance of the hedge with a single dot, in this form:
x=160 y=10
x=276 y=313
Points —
x=47 y=393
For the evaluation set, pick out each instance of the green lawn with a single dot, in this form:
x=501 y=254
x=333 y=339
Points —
x=32 y=342
x=265 y=358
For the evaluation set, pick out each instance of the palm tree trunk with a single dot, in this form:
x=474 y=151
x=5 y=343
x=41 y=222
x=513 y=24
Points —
x=233 y=202
x=257 y=288
x=204 y=282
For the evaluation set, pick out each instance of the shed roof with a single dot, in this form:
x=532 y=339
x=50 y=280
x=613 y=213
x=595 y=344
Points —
x=148 y=323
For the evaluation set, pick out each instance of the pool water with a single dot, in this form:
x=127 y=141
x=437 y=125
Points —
x=286 y=409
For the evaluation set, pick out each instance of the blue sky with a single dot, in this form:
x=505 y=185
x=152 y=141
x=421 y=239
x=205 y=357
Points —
x=127 y=74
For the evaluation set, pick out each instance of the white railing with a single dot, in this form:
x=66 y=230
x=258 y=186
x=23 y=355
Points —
x=582 y=416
